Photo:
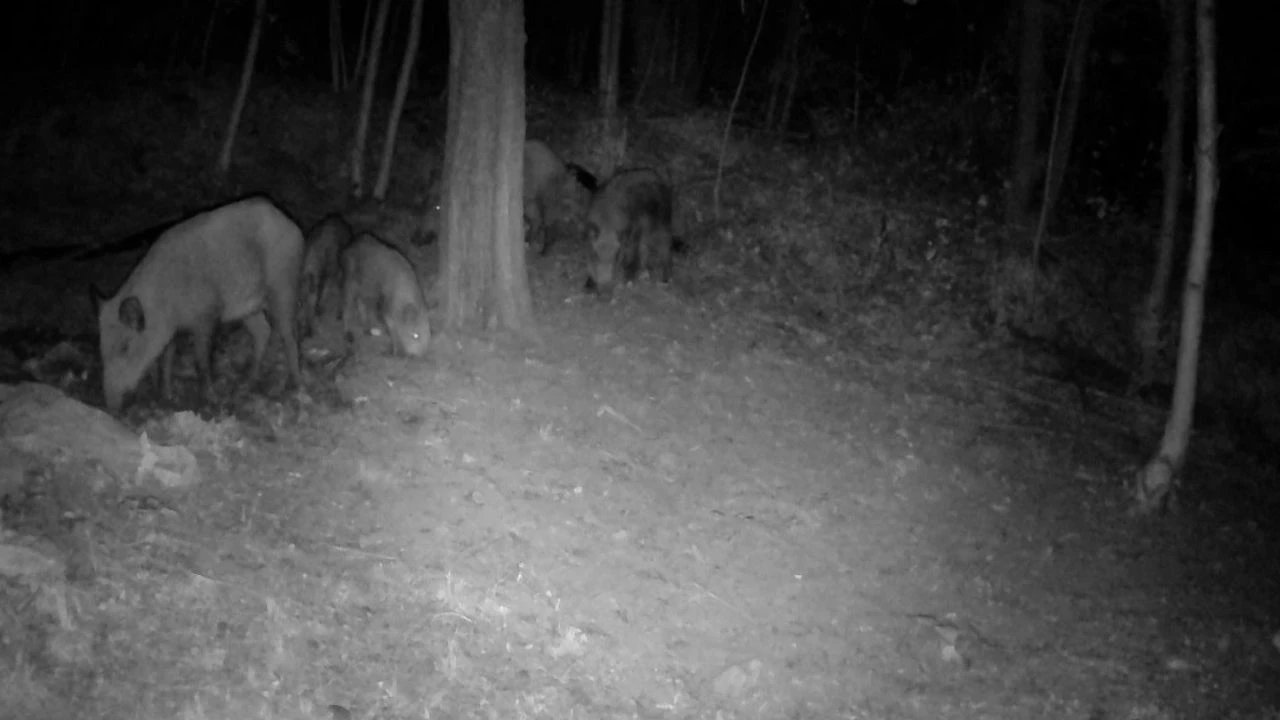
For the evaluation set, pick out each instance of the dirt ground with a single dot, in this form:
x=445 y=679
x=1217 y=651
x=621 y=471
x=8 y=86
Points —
x=672 y=507
x=665 y=510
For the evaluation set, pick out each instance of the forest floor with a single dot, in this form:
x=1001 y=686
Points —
x=671 y=507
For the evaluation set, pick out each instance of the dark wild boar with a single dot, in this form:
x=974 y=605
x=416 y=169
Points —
x=629 y=223
x=546 y=179
x=320 y=268
x=380 y=284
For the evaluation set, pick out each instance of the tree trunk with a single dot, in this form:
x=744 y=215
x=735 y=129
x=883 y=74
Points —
x=576 y=57
x=397 y=106
x=673 y=54
x=700 y=72
x=366 y=100
x=1147 y=326
x=172 y=63
x=1068 y=111
x=733 y=107
x=1030 y=99
x=610 y=53
x=482 y=265
x=857 y=67
x=788 y=100
x=72 y=37
x=775 y=95
x=788 y=70
x=237 y=108
x=778 y=78
x=337 y=53
x=1155 y=483
x=651 y=40
x=691 y=38
x=362 y=51
x=208 y=38
x=613 y=148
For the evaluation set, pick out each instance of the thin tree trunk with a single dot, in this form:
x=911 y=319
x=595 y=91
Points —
x=788 y=100
x=172 y=61
x=651 y=40
x=610 y=53
x=576 y=57
x=1155 y=484
x=775 y=92
x=337 y=71
x=208 y=38
x=397 y=106
x=75 y=25
x=728 y=123
x=482 y=265
x=246 y=75
x=362 y=54
x=1147 y=327
x=344 y=76
x=677 y=21
x=777 y=78
x=335 y=84
x=789 y=66
x=705 y=62
x=689 y=41
x=857 y=67
x=1068 y=110
x=613 y=149
x=366 y=100
x=1030 y=98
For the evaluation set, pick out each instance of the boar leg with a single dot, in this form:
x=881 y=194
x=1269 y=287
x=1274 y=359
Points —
x=202 y=343
x=165 y=372
x=281 y=309
x=260 y=330
x=307 y=306
x=350 y=310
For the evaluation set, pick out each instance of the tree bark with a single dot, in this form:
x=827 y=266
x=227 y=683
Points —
x=1030 y=100
x=1147 y=326
x=397 y=106
x=1155 y=484
x=610 y=53
x=246 y=75
x=483 y=265
x=366 y=100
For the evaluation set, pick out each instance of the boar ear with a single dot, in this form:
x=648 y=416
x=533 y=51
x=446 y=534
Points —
x=131 y=314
